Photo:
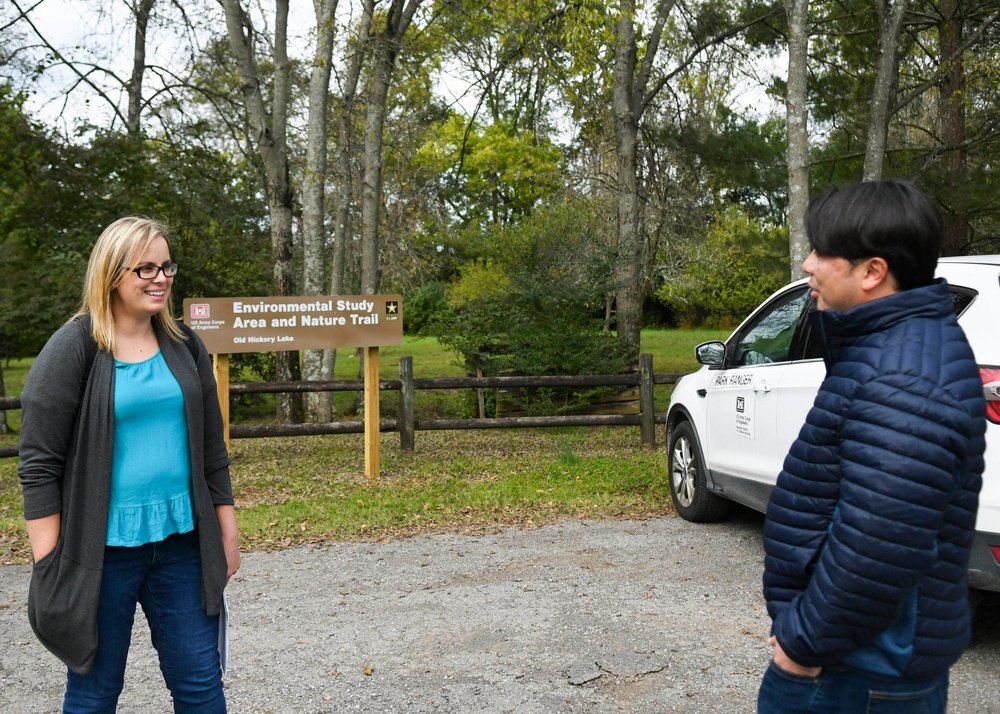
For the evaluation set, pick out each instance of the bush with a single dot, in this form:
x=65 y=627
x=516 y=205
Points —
x=516 y=333
x=533 y=305
x=424 y=309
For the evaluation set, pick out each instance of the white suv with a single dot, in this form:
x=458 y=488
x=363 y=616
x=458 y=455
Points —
x=731 y=423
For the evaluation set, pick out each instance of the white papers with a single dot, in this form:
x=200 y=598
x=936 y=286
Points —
x=224 y=635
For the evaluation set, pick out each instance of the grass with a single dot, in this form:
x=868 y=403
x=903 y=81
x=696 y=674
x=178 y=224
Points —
x=313 y=489
x=673 y=352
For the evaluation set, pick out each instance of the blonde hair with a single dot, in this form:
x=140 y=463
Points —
x=120 y=245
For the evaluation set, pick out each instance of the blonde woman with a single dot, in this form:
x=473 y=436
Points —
x=125 y=474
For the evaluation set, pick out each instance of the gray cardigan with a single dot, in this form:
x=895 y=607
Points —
x=67 y=442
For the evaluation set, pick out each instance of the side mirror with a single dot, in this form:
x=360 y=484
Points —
x=711 y=354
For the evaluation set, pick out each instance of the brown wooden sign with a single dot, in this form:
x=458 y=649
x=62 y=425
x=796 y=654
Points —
x=279 y=324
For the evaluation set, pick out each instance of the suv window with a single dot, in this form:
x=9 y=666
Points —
x=961 y=298
x=768 y=338
x=809 y=344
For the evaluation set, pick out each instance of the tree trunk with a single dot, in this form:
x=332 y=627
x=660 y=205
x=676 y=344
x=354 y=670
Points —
x=344 y=175
x=627 y=278
x=345 y=150
x=630 y=96
x=951 y=113
x=142 y=13
x=886 y=81
x=270 y=141
x=318 y=405
x=371 y=183
x=629 y=99
x=797 y=112
x=386 y=49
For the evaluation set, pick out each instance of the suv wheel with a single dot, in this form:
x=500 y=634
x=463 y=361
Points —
x=688 y=485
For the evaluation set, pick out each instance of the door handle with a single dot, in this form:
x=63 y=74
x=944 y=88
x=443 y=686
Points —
x=761 y=386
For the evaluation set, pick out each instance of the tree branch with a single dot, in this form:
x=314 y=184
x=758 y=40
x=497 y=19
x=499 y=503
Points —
x=663 y=10
x=21 y=15
x=71 y=65
x=697 y=50
x=936 y=75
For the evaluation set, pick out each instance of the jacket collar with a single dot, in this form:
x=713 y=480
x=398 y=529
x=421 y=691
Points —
x=842 y=327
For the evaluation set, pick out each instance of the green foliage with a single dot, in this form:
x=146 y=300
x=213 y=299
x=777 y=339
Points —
x=57 y=197
x=534 y=304
x=740 y=262
x=516 y=53
x=770 y=34
x=711 y=18
x=745 y=162
x=478 y=281
x=425 y=308
x=41 y=252
x=532 y=332
x=490 y=175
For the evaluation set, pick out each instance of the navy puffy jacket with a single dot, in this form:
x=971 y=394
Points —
x=869 y=526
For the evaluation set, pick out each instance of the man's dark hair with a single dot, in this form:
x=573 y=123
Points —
x=893 y=220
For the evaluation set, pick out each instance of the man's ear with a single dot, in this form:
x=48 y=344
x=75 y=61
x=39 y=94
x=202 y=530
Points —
x=876 y=279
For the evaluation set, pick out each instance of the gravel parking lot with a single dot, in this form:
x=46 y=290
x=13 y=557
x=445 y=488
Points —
x=616 y=616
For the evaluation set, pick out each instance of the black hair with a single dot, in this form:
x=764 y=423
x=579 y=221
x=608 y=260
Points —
x=893 y=220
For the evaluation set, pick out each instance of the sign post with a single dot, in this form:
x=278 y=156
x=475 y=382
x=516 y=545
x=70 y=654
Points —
x=290 y=324
x=220 y=366
x=372 y=417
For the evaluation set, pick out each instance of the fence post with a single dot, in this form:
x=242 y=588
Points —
x=406 y=426
x=481 y=396
x=647 y=423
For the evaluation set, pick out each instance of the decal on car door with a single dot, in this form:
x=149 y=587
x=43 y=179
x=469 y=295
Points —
x=733 y=379
x=744 y=417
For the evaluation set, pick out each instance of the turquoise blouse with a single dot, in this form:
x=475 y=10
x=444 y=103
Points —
x=151 y=466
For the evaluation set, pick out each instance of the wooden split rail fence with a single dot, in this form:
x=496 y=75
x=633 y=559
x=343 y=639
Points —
x=407 y=425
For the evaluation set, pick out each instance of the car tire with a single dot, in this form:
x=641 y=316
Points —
x=688 y=482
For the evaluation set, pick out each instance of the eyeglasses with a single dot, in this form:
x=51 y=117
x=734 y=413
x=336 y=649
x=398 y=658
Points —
x=148 y=272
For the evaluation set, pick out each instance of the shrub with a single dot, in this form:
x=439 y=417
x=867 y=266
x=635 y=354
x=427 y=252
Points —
x=533 y=305
x=426 y=307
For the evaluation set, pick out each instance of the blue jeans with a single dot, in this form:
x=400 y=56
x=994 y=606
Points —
x=165 y=578
x=837 y=691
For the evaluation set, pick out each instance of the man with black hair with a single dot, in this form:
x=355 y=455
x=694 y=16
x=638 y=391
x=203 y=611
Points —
x=870 y=523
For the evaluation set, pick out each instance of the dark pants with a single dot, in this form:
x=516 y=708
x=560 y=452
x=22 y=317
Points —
x=165 y=578
x=837 y=691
